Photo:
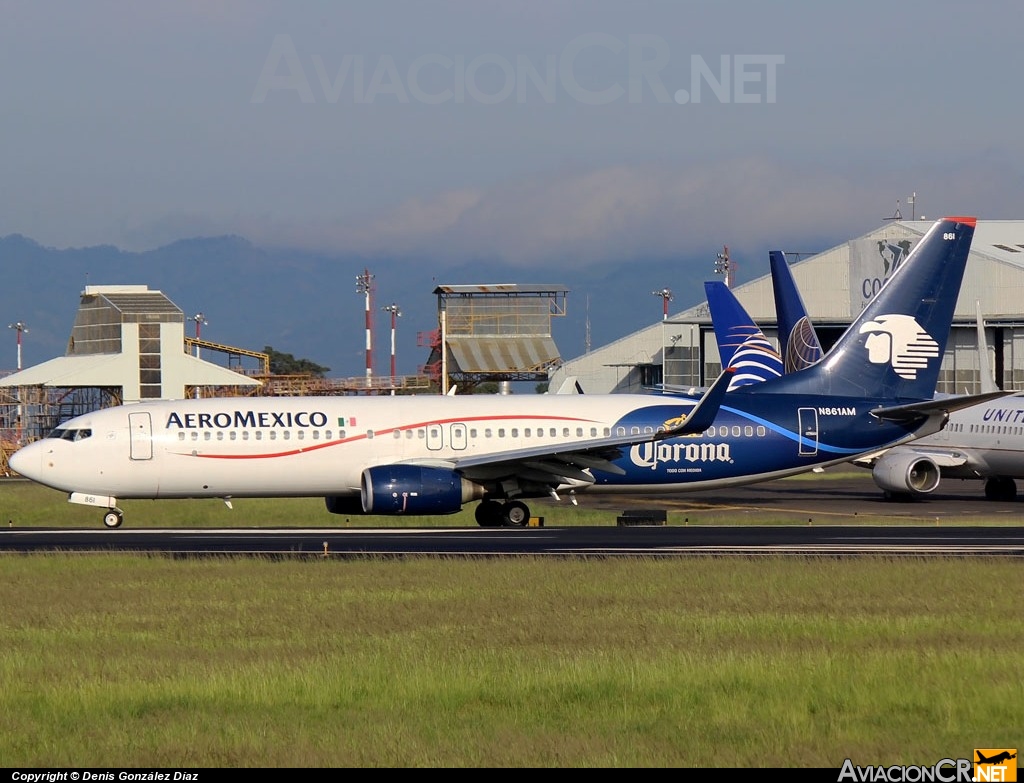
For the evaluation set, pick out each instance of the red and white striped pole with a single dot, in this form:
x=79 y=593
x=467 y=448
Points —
x=395 y=311
x=364 y=286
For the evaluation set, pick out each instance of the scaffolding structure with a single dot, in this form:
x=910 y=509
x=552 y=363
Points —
x=493 y=333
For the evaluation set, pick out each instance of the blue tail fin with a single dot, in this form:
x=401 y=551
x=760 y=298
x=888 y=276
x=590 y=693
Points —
x=798 y=342
x=894 y=349
x=741 y=343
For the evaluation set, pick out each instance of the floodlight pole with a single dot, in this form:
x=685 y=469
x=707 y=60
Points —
x=725 y=266
x=395 y=313
x=200 y=320
x=666 y=297
x=364 y=285
x=20 y=328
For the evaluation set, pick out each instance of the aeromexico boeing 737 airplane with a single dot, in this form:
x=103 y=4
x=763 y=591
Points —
x=429 y=455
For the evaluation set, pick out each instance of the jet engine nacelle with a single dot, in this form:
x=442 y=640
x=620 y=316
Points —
x=415 y=489
x=906 y=474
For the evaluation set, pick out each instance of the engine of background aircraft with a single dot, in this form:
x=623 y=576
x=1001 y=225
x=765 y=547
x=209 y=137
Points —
x=906 y=474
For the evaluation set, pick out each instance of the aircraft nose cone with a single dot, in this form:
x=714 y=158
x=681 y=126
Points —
x=21 y=461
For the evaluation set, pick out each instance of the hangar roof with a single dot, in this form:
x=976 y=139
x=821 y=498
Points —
x=999 y=239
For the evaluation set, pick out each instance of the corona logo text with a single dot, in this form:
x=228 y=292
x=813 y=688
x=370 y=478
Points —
x=650 y=455
x=898 y=340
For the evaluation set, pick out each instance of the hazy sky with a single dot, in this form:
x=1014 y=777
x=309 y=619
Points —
x=536 y=132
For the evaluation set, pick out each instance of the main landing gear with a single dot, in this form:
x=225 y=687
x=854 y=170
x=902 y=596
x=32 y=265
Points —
x=512 y=513
x=113 y=518
x=1000 y=488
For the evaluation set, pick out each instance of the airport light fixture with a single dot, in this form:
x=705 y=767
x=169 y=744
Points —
x=201 y=321
x=666 y=297
x=364 y=285
x=725 y=266
x=20 y=328
x=395 y=313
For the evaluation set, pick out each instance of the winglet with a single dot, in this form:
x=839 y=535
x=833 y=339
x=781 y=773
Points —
x=967 y=221
x=703 y=413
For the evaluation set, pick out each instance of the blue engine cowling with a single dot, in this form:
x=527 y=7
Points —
x=415 y=489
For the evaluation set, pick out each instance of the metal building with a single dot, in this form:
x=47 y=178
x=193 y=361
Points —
x=499 y=332
x=127 y=344
x=835 y=285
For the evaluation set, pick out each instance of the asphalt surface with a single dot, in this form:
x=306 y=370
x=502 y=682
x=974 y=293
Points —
x=840 y=515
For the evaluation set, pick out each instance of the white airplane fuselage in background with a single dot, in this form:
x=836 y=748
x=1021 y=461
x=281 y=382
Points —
x=983 y=442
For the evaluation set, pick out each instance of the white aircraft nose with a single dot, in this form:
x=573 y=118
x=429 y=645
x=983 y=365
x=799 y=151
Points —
x=22 y=461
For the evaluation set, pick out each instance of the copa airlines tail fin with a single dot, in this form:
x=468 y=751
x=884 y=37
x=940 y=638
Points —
x=741 y=343
x=798 y=342
x=894 y=349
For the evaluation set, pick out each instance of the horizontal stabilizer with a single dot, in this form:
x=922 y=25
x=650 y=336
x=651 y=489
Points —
x=920 y=410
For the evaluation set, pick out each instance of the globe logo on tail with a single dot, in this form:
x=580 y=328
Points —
x=900 y=341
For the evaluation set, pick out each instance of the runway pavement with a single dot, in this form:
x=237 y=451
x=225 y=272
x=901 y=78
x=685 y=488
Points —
x=838 y=515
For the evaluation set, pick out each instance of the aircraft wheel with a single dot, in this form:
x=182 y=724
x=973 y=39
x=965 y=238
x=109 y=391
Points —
x=515 y=513
x=1000 y=489
x=488 y=513
x=113 y=518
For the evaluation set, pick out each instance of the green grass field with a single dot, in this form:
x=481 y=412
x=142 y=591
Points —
x=150 y=661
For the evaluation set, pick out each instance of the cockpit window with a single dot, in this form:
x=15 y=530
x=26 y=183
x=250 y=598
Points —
x=65 y=433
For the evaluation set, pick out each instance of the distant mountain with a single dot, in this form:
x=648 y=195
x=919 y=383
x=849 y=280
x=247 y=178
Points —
x=306 y=304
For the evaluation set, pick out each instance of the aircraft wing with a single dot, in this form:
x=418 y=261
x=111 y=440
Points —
x=555 y=464
x=944 y=458
x=915 y=411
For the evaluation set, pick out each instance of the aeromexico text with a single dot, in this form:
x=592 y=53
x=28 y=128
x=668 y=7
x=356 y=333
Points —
x=224 y=420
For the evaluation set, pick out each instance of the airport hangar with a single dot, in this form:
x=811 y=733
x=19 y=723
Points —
x=681 y=351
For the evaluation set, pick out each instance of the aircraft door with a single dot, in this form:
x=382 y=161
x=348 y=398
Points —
x=808 y=422
x=457 y=434
x=141 y=433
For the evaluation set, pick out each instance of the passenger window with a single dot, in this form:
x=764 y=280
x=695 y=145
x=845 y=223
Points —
x=487 y=432
x=735 y=432
x=220 y=434
x=181 y=436
x=748 y=431
x=259 y=434
x=501 y=432
x=515 y=432
x=526 y=432
x=761 y=431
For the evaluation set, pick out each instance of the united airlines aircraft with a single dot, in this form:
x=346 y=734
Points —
x=430 y=455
